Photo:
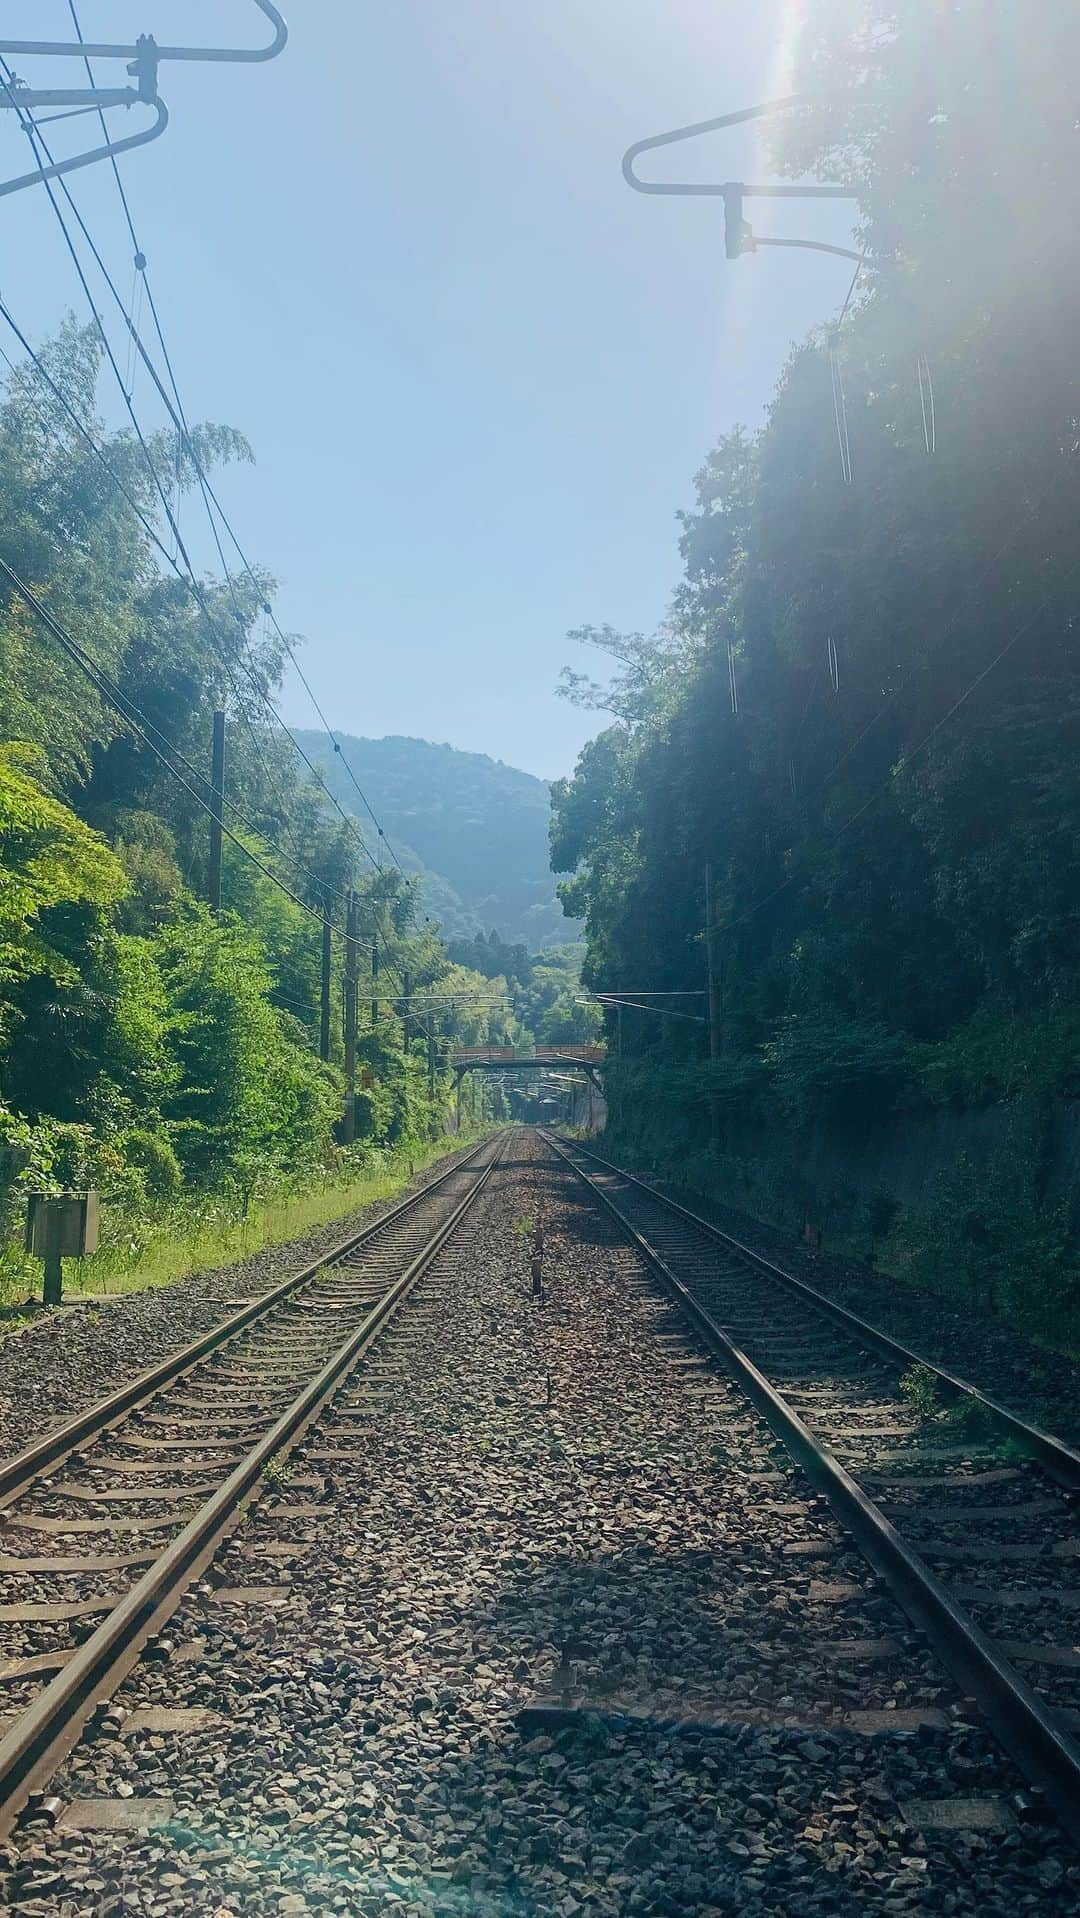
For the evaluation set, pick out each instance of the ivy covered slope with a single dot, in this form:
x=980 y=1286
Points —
x=474 y=829
x=147 y=1047
x=892 y=814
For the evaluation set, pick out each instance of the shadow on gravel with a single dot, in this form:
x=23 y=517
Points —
x=636 y=1803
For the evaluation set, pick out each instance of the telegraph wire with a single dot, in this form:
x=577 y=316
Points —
x=118 y=700
x=29 y=127
x=185 y=573
x=179 y=418
x=146 y=524
x=211 y=502
x=187 y=577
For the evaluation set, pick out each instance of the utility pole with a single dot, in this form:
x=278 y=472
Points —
x=350 y=1018
x=374 y=980
x=431 y=1073
x=324 y=1003
x=715 y=1009
x=217 y=801
x=715 y=1006
x=406 y=1008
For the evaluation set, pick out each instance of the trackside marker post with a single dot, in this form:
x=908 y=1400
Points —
x=60 y=1226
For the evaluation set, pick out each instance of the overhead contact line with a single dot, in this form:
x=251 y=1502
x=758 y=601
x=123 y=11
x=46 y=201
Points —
x=178 y=416
x=185 y=573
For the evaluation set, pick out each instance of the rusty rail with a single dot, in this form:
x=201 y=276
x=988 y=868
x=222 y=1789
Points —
x=1029 y=1730
x=43 y=1734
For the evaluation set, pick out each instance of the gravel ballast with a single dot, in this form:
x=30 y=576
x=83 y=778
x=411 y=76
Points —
x=1040 y=1385
x=66 y=1360
x=541 y=1623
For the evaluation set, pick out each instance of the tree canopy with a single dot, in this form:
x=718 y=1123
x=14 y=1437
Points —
x=863 y=711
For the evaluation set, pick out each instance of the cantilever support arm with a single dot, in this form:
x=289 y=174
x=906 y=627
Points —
x=103 y=50
x=123 y=97
x=738 y=236
x=762 y=112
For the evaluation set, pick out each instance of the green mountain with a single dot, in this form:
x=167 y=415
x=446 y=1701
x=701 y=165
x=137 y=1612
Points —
x=476 y=829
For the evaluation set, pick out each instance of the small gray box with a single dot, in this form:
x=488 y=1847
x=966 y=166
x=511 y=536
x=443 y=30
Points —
x=62 y=1225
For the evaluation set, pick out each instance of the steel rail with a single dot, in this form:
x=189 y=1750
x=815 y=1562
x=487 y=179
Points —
x=1026 y=1728
x=1060 y=1460
x=43 y=1734
x=47 y=1454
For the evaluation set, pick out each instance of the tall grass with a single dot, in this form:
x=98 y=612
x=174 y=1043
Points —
x=157 y=1247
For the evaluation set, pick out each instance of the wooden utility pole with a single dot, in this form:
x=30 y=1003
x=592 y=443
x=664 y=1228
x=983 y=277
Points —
x=375 y=980
x=715 y=1007
x=350 y=1018
x=217 y=802
x=406 y=1010
x=324 y=1002
x=431 y=1073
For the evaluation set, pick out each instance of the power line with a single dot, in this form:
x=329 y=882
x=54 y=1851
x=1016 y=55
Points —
x=179 y=418
x=231 y=804
x=118 y=700
x=650 y=992
x=118 y=482
x=187 y=579
x=185 y=574
x=186 y=444
x=662 y=1012
x=29 y=127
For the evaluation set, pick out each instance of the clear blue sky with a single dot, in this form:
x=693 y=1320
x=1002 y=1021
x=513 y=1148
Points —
x=478 y=373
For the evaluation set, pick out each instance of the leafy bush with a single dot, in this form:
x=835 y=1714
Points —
x=990 y=1236
x=1002 y=1054
x=828 y=1066
x=153 y=1157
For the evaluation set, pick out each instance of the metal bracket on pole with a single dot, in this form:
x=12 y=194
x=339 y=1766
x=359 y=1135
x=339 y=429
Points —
x=142 y=61
x=738 y=236
x=26 y=98
x=103 y=50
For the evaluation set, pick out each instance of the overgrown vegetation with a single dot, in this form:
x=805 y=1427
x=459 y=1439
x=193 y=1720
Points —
x=164 y=1055
x=863 y=710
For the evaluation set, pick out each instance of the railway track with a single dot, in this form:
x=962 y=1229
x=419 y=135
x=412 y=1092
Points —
x=971 y=1519
x=108 y=1520
x=534 y=1618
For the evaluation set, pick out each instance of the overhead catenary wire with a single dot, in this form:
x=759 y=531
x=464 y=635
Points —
x=115 y=698
x=147 y=525
x=840 y=412
x=144 y=730
x=637 y=1005
x=927 y=403
x=185 y=572
x=179 y=418
x=172 y=557
x=6 y=315
x=185 y=446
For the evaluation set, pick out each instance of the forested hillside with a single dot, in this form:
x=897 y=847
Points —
x=474 y=829
x=864 y=709
x=147 y=1046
